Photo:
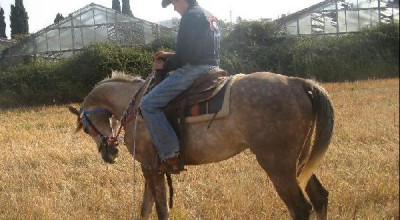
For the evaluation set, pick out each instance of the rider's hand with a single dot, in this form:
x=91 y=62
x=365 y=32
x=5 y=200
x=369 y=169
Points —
x=162 y=55
x=158 y=64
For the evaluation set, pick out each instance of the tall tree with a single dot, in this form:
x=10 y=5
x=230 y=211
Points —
x=126 y=8
x=116 y=5
x=58 y=18
x=18 y=19
x=2 y=24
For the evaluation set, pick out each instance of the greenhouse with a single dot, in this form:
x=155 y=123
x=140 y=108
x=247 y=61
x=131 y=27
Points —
x=90 y=24
x=340 y=16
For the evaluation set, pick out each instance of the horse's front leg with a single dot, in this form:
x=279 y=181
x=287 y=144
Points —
x=155 y=184
x=147 y=202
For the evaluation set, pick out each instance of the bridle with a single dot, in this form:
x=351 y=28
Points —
x=106 y=140
x=87 y=123
x=129 y=115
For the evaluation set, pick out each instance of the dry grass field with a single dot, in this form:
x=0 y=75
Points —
x=49 y=172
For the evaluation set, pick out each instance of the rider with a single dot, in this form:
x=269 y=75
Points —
x=197 y=51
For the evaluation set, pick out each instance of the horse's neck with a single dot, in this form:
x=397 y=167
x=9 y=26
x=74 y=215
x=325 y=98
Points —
x=115 y=96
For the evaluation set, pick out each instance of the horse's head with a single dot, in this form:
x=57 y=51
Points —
x=107 y=100
x=96 y=122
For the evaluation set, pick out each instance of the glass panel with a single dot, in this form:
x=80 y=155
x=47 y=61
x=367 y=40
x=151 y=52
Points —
x=374 y=16
x=305 y=25
x=291 y=28
x=363 y=3
x=365 y=18
x=41 y=43
x=368 y=17
x=330 y=7
x=65 y=23
x=110 y=16
x=88 y=35
x=342 y=21
x=384 y=3
x=100 y=17
x=342 y=4
x=386 y=15
x=330 y=22
x=396 y=14
x=374 y=3
x=367 y=3
x=101 y=34
x=53 y=40
x=317 y=23
x=66 y=39
x=352 y=3
x=77 y=20
x=87 y=18
x=352 y=21
x=78 y=38
x=122 y=18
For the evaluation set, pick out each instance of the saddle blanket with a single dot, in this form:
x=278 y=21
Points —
x=214 y=108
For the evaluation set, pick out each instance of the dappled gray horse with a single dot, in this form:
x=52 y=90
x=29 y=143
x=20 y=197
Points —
x=286 y=122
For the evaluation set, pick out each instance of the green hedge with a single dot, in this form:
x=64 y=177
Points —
x=70 y=80
x=261 y=46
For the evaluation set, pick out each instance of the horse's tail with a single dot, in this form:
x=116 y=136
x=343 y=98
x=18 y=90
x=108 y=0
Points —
x=171 y=190
x=322 y=127
x=323 y=116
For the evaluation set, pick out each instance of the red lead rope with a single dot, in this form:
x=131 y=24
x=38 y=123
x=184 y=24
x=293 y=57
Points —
x=126 y=120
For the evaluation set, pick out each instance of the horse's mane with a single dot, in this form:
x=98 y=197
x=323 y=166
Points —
x=118 y=76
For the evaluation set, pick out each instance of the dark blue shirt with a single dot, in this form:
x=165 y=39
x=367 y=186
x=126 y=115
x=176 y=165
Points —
x=198 y=40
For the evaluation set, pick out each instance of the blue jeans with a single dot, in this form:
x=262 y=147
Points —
x=161 y=132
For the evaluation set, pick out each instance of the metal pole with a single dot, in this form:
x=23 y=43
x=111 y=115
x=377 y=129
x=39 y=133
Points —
x=72 y=33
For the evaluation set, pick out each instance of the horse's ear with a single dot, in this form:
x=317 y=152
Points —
x=73 y=110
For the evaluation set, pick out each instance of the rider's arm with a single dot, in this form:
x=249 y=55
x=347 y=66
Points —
x=189 y=30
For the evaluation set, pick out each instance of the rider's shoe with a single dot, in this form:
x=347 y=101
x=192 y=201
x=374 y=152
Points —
x=170 y=165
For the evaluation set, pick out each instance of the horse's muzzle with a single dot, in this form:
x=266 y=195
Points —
x=109 y=153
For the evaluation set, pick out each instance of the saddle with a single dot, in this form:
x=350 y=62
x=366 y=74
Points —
x=203 y=89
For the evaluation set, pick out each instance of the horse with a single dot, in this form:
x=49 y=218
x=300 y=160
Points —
x=286 y=122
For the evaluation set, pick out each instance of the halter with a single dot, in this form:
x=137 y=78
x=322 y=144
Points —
x=129 y=115
x=106 y=140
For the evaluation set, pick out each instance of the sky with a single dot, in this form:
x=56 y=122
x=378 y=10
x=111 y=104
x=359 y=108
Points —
x=42 y=12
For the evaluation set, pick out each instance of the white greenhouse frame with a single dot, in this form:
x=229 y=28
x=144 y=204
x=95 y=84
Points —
x=340 y=16
x=90 y=24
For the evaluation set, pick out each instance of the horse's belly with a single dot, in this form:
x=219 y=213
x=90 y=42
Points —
x=219 y=142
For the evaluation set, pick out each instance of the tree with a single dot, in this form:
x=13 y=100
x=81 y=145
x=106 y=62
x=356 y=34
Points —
x=2 y=24
x=116 y=5
x=126 y=8
x=19 y=19
x=58 y=18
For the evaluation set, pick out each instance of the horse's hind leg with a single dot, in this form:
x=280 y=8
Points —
x=286 y=185
x=318 y=196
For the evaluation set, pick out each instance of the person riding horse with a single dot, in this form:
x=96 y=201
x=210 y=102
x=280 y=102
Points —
x=197 y=51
